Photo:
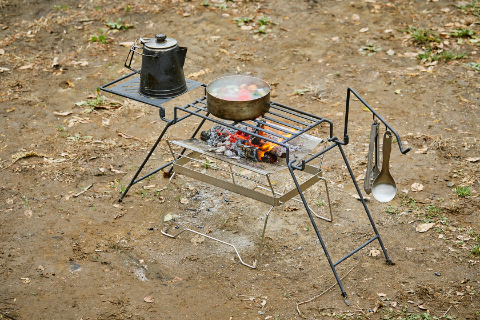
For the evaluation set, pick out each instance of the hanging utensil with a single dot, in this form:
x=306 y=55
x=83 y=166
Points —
x=372 y=167
x=384 y=188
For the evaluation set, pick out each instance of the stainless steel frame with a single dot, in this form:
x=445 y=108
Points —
x=270 y=197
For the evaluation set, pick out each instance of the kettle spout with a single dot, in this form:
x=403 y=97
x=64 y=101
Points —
x=181 y=54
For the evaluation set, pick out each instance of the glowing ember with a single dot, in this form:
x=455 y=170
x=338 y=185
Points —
x=241 y=143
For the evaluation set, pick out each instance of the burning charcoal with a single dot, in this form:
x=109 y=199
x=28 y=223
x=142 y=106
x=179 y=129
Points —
x=269 y=158
x=249 y=151
x=256 y=141
x=279 y=151
x=205 y=135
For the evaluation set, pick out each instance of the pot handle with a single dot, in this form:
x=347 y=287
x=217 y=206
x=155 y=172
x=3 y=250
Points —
x=128 y=61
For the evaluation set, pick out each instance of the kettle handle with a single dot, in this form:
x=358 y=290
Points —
x=128 y=61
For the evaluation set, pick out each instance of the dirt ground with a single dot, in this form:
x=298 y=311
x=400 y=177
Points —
x=69 y=250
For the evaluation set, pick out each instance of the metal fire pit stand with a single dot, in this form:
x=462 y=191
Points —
x=271 y=198
x=193 y=109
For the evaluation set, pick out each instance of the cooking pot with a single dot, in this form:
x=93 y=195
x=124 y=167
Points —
x=231 y=107
x=161 y=74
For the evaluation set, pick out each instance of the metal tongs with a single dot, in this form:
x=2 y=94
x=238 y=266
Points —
x=372 y=164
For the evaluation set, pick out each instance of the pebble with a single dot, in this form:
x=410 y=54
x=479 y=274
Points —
x=438 y=274
x=450 y=184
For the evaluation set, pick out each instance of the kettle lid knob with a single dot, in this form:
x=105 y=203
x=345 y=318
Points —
x=160 y=37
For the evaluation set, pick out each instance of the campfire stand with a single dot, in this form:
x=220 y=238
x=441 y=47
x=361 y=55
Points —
x=303 y=122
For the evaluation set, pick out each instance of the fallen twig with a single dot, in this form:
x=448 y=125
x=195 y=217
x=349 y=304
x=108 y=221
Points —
x=22 y=155
x=7 y=316
x=447 y=311
x=315 y=297
x=76 y=195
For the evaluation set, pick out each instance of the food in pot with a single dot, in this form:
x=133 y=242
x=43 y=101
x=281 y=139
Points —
x=242 y=92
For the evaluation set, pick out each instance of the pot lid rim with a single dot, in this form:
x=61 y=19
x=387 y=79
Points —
x=152 y=43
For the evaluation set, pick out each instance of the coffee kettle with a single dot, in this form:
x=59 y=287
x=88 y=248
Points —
x=161 y=74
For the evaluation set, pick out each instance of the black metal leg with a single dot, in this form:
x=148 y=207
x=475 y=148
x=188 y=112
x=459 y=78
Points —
x=365 y=205
x=332 y=266
x=145 y=161
x=193 y=136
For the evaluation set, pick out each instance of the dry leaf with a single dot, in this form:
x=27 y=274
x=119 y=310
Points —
x=411 y=54
x=198 y=73
x=247 y=28
x=355 y=17
x=463 y=99
x=363 y=30
x=28 y=66
x=416 y=187
x=290 y=208
x=445 y=10
x=473 y=159
x=390 y=52
x=28 y=213
x=356 y=196
x=423 y=150
x=126 y=136
x=378 y=306
x=4 y=69
x=65 y=113
x=223 y=51
x=197 y=239
x=168 y=217
x=424 y=227
x=40 y=267
x=55 y=62
x=82 y=63
x=114 y=170
x=184 y=200
x=10 y=110
x=149 y=299
x=126 y=44
x=374 y=253
x=25 y=280
x=2 y=52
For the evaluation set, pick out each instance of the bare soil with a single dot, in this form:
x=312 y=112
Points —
x=68 y=252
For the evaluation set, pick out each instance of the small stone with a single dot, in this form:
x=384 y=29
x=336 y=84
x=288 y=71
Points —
x=450 y=184
x=438 y=274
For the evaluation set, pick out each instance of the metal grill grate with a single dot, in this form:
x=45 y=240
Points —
x=279 y=117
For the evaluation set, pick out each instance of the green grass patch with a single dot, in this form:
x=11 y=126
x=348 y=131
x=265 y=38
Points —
x=431 y=56
x=241 y=21
x=118 y=25
x=462 y=191
x=475 y=250
x=422 y=36
x=462 y=33
x=474 y=65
